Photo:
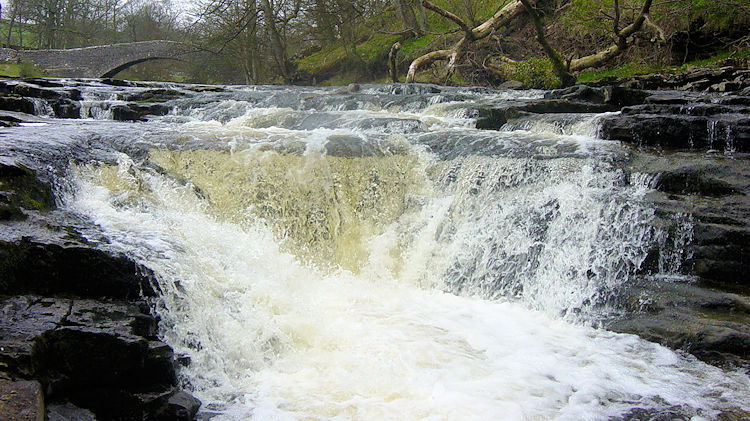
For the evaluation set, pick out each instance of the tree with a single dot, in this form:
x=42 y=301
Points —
x=470 y=35
x=563 y=67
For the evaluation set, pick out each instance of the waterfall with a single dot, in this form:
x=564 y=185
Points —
x=375 y=256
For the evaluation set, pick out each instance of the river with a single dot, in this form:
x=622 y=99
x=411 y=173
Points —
x=373 y=256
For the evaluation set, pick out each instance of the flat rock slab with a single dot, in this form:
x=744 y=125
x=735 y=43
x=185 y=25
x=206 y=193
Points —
x=21 y=401
x=68 y=412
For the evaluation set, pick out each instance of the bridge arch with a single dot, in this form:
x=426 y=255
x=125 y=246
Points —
x=104 y=60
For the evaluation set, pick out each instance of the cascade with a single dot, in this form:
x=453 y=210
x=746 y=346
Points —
x=375 y=256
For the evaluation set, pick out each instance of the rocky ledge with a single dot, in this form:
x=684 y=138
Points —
x=77 y=336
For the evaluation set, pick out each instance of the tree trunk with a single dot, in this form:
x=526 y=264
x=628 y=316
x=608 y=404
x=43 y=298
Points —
x=408 y=18
x=566 y=79
x=392 y=61
x=277 y=44
x=10 y=26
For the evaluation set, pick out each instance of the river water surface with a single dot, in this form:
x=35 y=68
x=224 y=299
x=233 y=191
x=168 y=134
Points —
x=373 y=256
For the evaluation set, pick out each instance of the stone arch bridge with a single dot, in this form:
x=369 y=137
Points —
x=100 y=60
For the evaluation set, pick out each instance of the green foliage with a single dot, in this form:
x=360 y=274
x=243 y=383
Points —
x=714 y=15
x=533 y=73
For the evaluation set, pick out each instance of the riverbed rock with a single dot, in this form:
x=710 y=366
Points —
x=709 y=196
x=21 y=400
x=68 y=412
x=153 y=95
x=712 y=325
x=16 y=103
x=495 y=117
x=99 y=355
x=137 y=112
x=676 y=121
x=72 y=316
x=31 y=267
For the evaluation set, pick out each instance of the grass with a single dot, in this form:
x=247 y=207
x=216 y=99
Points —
x=625 y=70
x=21 y=70
x=29 y=37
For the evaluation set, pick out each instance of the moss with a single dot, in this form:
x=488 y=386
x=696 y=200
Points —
x=22 y=70
x=20 y=188
x=625 y=70
x=635 y=69
x=533 y=73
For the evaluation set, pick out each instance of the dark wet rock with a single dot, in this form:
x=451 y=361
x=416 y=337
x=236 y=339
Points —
x=154 y=95
x=98 y=355
x=117 y=82
x=180 y=406
x=68 y=412
x=9 y=120
x=30 y=267
x=16 y=103
x=710 y=324
x=45 y=83
x=677 y=121
x=22 y=319
x=705 y=199
x=497 y=116
x=20 y=189
x=66 y=108
x=616 y=96
x=21 y=401
x=724 y=79
x=124 y=113
x=694 y=180
x=137 y=112
x=205 y=88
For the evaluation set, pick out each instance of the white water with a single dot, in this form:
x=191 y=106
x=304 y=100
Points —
x=281 y=325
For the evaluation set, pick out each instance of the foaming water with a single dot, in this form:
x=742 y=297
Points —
x=392 y=262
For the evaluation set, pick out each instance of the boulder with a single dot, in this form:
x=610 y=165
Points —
x=180 y=406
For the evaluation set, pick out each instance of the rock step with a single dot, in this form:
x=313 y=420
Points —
x=99 y=355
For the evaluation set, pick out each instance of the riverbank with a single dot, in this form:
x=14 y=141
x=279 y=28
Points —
x=70 y=303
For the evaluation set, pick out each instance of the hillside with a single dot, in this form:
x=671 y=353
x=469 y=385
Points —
x=690 y=33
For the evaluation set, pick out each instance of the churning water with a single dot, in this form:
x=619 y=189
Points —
x=373 y=256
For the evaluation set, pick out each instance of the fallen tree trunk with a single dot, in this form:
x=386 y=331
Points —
x=453 y=54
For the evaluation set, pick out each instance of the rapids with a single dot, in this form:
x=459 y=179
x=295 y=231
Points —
x=373 y=256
